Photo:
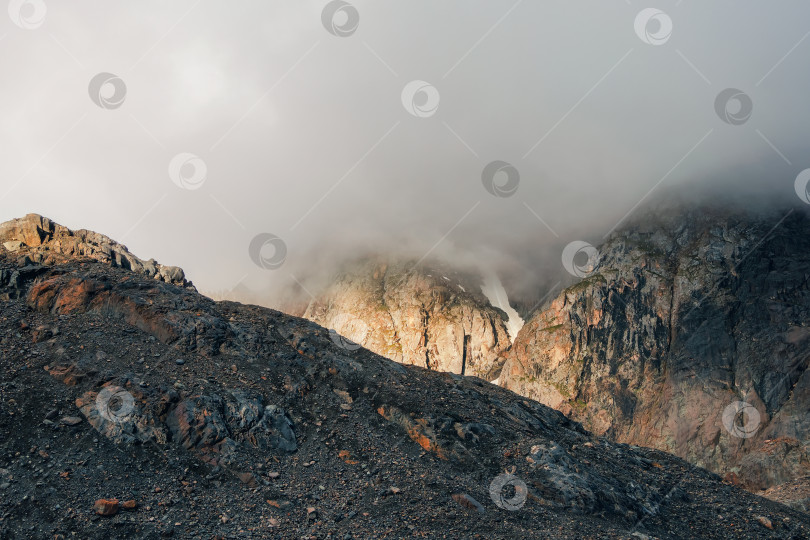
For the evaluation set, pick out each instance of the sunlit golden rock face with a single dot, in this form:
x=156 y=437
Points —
x=37 y=239
x=427 y=316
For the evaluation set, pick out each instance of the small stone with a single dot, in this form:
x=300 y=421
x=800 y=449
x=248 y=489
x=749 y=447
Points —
x=274 y=475
x=346 y=456
x=106 y=507
x=247 y=478
x=53 y=413
x=468 y=502
x=41 y=333
x=765 y=522
x=179 y=361
x=71 y=420
x=129 y=505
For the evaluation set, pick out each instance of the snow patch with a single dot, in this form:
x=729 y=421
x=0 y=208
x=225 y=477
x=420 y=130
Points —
x=494 y=291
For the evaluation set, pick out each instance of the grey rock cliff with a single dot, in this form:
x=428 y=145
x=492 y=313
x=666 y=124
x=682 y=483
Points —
x=686 y=315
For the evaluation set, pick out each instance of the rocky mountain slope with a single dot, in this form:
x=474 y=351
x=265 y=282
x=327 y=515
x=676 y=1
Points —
x=425 y=315
x=690 y=336
x=135 y=408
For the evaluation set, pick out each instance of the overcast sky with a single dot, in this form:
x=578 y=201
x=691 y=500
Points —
x=310 y=127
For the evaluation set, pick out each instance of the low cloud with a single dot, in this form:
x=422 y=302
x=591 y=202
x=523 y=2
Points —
x=324 y=142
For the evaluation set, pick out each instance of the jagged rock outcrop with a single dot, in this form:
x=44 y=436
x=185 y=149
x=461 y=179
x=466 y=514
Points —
x=259 y=423
x=37 y=240
x=690 y=336
x=427 y=315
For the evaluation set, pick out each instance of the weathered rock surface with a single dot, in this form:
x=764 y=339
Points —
x=428 y=316
x=188 y=322
x=37 y=240
x=270 y=428
x=686 y=315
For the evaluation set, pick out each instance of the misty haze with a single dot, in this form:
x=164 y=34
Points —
x=355 y=269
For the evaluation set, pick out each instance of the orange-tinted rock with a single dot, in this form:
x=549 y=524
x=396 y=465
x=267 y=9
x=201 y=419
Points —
x=424 y=433
x=69 y=375
x=106 y=507
x=765 y=522
x=345 y=455
x=31 y=230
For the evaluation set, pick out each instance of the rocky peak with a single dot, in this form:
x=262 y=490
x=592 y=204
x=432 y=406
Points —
x=38 y=240
x=690 y=336
x=428 y=315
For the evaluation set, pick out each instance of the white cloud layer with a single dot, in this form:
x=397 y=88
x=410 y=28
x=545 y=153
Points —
x=304 y=134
